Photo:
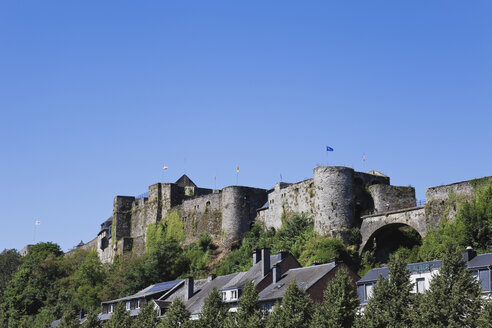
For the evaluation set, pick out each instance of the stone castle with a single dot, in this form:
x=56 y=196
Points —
x=337 y=198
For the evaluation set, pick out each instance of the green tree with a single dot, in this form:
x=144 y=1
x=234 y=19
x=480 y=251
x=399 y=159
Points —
x=176 y=316
x=249 y=314
x=120 y=318
x=214 y=311
x=147 y=318
x=92 y=321
x=10 y=260
x=453 y=299
x=391 y=301
x=485 y=318
x=69 y=319
x=477 y=218
x=449 y=233
x=88 y=281
x=295 y=311
x=339 y=305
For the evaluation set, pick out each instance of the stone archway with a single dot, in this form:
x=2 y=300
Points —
x=371 y=224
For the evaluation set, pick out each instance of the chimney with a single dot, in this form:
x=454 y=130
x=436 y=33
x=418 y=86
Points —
x=188 y=288
x=265 y=256
x=256 y=256
x=469 y=254
x=276 y=273
x=282 y=254
x=211 y=277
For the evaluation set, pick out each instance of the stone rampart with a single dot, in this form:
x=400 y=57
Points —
x=390 y=198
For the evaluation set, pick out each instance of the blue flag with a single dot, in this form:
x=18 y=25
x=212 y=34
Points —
x=329 y=148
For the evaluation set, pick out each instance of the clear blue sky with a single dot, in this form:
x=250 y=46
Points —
x=96 y=96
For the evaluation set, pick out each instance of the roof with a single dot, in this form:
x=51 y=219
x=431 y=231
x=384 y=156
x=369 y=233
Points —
x=195 y=303
x=480 y=261
x=304 y=277
x=148 y=291
x=253 y=274
x=264 y=207
x=184 y=181
x=419 y=267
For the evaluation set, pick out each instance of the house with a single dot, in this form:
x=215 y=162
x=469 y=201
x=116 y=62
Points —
x=194 y=293
x=135 y=302
x=422 y=273
x=312 y=279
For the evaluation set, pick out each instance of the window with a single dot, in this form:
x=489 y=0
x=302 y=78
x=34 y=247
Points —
x=420 y=285
x=128 y=305
x=111 y=307
x=138 y=304
x=224 y=296
x=234 y=294
x=369 y=291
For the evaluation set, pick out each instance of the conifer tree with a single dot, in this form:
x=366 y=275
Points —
x=453 y=299
x=176 y=316
x=214 y=312
x=391 y=300
x=339 y=305
x=249 y=314
x=147 y=318
x=485 y=318
x=92 y=321
x=120 y=318
x=295 y=311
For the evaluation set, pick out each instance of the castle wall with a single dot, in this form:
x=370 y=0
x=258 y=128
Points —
x=239 y=205
x=334 y=200
x=288 y=198
x=122 y=207
x=202 y=215
x=390 y=198
x=464 y=188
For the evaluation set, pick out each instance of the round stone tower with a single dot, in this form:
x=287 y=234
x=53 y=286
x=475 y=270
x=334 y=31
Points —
x=235 y=213
x=334 y=200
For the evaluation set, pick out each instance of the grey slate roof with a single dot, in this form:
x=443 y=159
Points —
x=148 y=291
x=304 y=277
x=373 y=275
x=480 y=261
x=253 y=274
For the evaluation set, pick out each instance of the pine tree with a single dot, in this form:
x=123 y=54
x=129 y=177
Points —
x=214 y=312
x=485 y=319
x=295 y=311
x=453 y=299
x=176 y=316
x=147 y=318
x=92 y=321
x=249 y=314
x=120 y=318
x=391 y=300
x=340 y=303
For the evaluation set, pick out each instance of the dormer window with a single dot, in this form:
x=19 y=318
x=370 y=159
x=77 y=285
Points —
x=128 y=305
x=138 y=304
x=111 y=308
x=224 y=296
x=234 y=295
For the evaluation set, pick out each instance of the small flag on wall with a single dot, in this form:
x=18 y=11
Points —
x=328 y=148
x=37 y=222
x=164 y=167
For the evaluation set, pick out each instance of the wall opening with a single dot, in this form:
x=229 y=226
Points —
x=389 y=238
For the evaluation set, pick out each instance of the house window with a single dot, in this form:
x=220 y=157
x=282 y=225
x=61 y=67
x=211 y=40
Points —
x=111 y=308
x=234 y=294
x=128 y=305
x=138 y=304
x=369 y=291
x=420 y=285
x=224 y=296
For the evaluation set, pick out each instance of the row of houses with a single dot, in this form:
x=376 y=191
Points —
x=272 y=274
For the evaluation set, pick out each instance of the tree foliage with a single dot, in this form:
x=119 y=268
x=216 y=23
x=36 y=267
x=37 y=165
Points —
x=295 y=311
x=176 y=316
x=214 y=311
x=339 y=305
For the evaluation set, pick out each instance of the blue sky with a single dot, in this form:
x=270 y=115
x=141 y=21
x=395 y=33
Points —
x=96 y=96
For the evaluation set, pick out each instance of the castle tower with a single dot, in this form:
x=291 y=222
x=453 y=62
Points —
x=334 y=200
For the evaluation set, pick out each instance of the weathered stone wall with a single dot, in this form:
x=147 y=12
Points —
x=414 y=218
x=202 y=215
x=122 y=207
x=239 y=205
x=288 y=198
x=390 y=198
x=334 y=200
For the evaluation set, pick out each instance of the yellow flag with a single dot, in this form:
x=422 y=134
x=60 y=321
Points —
x=237 y=169
x=363 y=157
